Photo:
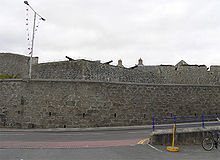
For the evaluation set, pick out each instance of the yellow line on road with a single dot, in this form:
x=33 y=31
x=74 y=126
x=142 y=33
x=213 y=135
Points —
x=142 y=141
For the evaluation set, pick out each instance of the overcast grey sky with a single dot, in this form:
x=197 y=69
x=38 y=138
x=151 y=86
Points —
x=158 y=31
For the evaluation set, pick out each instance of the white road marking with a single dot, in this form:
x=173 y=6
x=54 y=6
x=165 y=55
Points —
x=76 y=134
x=12 y=134
x=137 y=132
x=133 y=132
x=154 y=148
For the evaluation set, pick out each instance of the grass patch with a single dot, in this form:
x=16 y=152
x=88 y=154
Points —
x=3 y=76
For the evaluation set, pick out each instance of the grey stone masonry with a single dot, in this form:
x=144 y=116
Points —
x=92 y=70
x=185 y=74
x=15 y=65
x=68 y=103
x=182 y=73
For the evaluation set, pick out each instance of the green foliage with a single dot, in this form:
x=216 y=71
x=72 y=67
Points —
x=3 y=76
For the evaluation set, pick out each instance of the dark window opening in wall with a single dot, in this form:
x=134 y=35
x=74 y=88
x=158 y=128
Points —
x=115 y=115
x=144 y=115
x=84 y=115
x=22 y=100
x=64 y=126
x=50 y=113
x=31 y=125
x=195 y=114
x=171 y=114
x=19 y=112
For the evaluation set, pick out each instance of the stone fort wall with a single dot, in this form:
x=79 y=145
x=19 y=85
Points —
x=181 y=73
x=68 y=103
x=161 y=74
x=18 y=65
x=93 y=70
x=185 y=74
x=15 y=65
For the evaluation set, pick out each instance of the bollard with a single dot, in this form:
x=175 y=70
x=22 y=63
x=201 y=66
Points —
x=172 y=148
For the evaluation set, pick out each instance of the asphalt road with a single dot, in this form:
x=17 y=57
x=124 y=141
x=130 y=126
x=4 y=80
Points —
x=137 y=152
x=91 y=145
x=66 y=136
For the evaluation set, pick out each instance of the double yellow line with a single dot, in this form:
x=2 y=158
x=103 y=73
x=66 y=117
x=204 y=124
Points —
x=142 y=141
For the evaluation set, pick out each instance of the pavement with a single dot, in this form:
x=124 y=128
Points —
x=78 y=129
x=104 y=143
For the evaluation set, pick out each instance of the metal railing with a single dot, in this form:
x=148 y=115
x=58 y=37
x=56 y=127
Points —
x=202 y=120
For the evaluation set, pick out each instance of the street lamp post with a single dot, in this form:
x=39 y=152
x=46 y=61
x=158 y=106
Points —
x=32 y=48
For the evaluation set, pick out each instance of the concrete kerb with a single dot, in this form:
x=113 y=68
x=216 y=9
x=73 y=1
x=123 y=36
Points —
x=147 y=127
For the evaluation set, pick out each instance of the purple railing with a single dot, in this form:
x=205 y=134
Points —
x=165 y=122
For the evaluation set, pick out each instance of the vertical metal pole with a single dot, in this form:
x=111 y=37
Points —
x=174 y=127
x=32 y=49
x=153 y=123
x=175 y=119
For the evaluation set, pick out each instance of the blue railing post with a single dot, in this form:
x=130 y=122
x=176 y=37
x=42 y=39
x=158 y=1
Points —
x=203 y=121
x=175 y=119
x=153 y=123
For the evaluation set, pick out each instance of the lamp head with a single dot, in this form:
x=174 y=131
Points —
x=26 y=2
x=43 y=19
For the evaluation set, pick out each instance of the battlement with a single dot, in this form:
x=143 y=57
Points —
x=181 y=73
x=91 y=70
x=214 y=68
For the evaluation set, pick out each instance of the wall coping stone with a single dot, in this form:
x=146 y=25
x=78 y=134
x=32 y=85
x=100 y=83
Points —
x=186 y=130
x=104 y=82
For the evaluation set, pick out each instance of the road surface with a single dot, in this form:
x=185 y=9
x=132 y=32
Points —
x=91 y=145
